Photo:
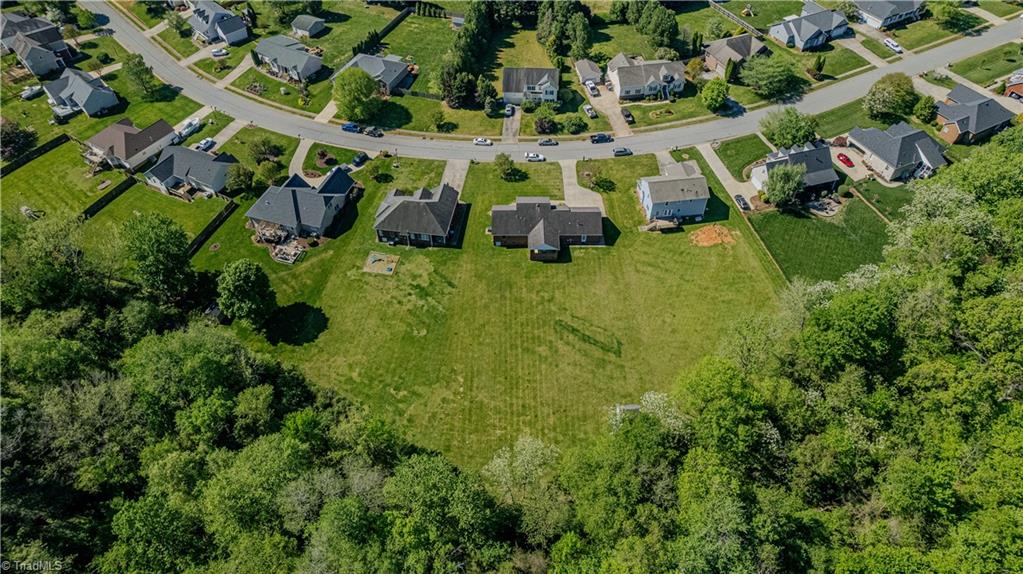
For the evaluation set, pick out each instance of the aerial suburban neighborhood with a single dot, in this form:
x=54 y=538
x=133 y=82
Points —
x=278 y=275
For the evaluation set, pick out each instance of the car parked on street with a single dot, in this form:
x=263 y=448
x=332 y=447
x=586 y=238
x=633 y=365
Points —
x=373 y=132
x=893 y=45
x=351 y=127
x=741 y=202
x=533 y=156
x=482 y=141
x=621 y=151
x=844 y=159
x=547 y=141
x=600 y=138
x=590 y=111
x=205 y=145
x=628 y=116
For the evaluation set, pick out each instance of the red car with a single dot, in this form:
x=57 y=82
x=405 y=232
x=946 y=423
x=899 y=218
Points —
x=845 y=160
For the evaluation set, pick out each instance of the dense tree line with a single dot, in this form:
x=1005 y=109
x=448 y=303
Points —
x=869 y=425
x=650 y=18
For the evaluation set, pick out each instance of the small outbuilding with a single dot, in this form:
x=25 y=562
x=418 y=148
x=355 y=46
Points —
x=306 y=25
x=588 y=71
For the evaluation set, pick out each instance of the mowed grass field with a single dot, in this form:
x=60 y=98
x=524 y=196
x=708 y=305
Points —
x=984 y=68
x=738 y=153
x=470 y=348
x=887 y=200
x=819 y=248
x=423 y=41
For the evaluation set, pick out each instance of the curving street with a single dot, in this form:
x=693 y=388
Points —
x=278 y=120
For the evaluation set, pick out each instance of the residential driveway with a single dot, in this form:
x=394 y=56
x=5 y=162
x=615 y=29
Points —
x=606 y=104
x=236 y=73
x=510 y=131
x=575 y=194
x=996 y=20
x=228 y=132
x=304 y=145
x=855 y=45
x=929 y=89
x=202 y=54
x=864 y=30
x=732 y=185
x=664 y=159
x=858 y=171
x=454 y=173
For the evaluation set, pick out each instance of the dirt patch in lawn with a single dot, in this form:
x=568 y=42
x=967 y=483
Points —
x=711 y=235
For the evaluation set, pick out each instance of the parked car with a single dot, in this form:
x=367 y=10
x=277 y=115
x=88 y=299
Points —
x=893 y=45
x=351 y=127
x=628 y=116
x=620 y=151
x=741 y=202
x=592 y=88
x=610 y=87
x=590 y=111
x=531 y=156
x=190 y=127
x=360 y=158
x=509 y=110
x=31 y=92
x=547 y=141
x=373 y=132
x=600 y=138
x=482 y=141
x=845 y=160
x=218 y=53
x=205 y=144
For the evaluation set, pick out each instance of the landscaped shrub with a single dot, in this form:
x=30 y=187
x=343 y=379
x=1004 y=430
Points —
x=602 y=183
x=575 y=124
x=529 y=106
x=104 y=58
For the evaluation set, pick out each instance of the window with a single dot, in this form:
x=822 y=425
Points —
x=583 y=239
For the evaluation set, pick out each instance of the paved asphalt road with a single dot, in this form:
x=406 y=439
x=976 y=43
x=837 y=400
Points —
x=284 y=122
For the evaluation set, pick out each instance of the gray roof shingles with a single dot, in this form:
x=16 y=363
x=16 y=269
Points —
x=543 y=223
x=287 y=52
x=183 y=163
x=426 y=211
x=388 y=69
x=899 y=145
x=515 y=80
x=973 y=112
x=680 y=182
x=297 y=202
x=815 y=156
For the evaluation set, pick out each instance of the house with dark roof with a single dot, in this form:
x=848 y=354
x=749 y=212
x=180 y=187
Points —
x=588 y=71
x=635 y=78
x=424 y=217
x=287 y=57
x=821 y=177
x=1014 y=85
x=305 y=25
x=537 y=84
x=301 y=209
x=76 y=91
x=898 y=153
x=37 y=42
x=679 y=192
x=814 y=27
x=183 y=172
x=543 y=227
x=211 y=22
x=882 y=14
x=122 y=145
x=736 y=49
x=389 y=71
x=967 y=116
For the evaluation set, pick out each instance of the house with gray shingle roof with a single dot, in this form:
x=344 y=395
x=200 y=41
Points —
x=424 y=217
x=886 y=13
x=121 y=144
x=211 y=22
x=76 y=91
x=1014 y=85
x=820 y=177
x=389 y=71
x=898 y=153
x=736 y=49
x=180 y=170
x=537 y=84
x=287 y=57
x=305 y=25
x=37 y=42
x=967 y=116
x=635 y=78
x=814 y=27
x=300 y=208
x=679 y=192
x=543 y=227
x=588 y=71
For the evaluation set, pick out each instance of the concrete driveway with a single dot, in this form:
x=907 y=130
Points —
x=510 y=131
x=606 y=104
x=858 y=171
x=575 y=194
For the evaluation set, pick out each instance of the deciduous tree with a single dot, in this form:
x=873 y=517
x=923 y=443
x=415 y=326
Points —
x=787 y=127
x=157 y=247
x=356 y=94
x=784 y=184
x=244 y=292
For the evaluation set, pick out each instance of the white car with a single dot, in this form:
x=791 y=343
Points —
x=590 y=111
x=205 y=144
x=219 y=53
x=190 y=127
x=893 y=45
x=31 y=92
x=482 y=141
x=531 y=156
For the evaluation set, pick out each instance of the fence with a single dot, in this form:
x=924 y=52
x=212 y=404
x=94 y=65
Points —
x=34 y=153
x=749 y=27
x=394 y=23
x=108 y=197
x=211 y=228
x=364 y=46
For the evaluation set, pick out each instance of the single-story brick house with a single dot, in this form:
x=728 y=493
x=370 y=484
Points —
x=736 y=49
x=389 y=71
x=287 y=57
x=543 y=227
x=1014 y=85
x=967 y=117
x=424 y=217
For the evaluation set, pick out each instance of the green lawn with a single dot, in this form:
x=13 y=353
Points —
x=844 y=118
x=141 y=199
x=319 y=91
x=611 y=38
x=765 y=12
x=838 y=60
x=238 y=146
x=817 y=248
x=695 y=14
x=887 y=200
x=57 y=182
x=336 y=156
x=516 y=49
x=181 y=44
x=235 y=54
x=414 y=113
x=686 y=107
x=211 y=126
x=90 y=51
x=939 y=79
x=348 y=23
x=877 y=47
x=490 y=343
x=927 y=31
x=1001 y=8
x=985 y=67
x=138 y=9
x=738 y=153
x=423 y=41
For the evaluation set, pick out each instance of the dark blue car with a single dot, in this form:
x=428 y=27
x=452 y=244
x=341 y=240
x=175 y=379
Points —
x=350 y=127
